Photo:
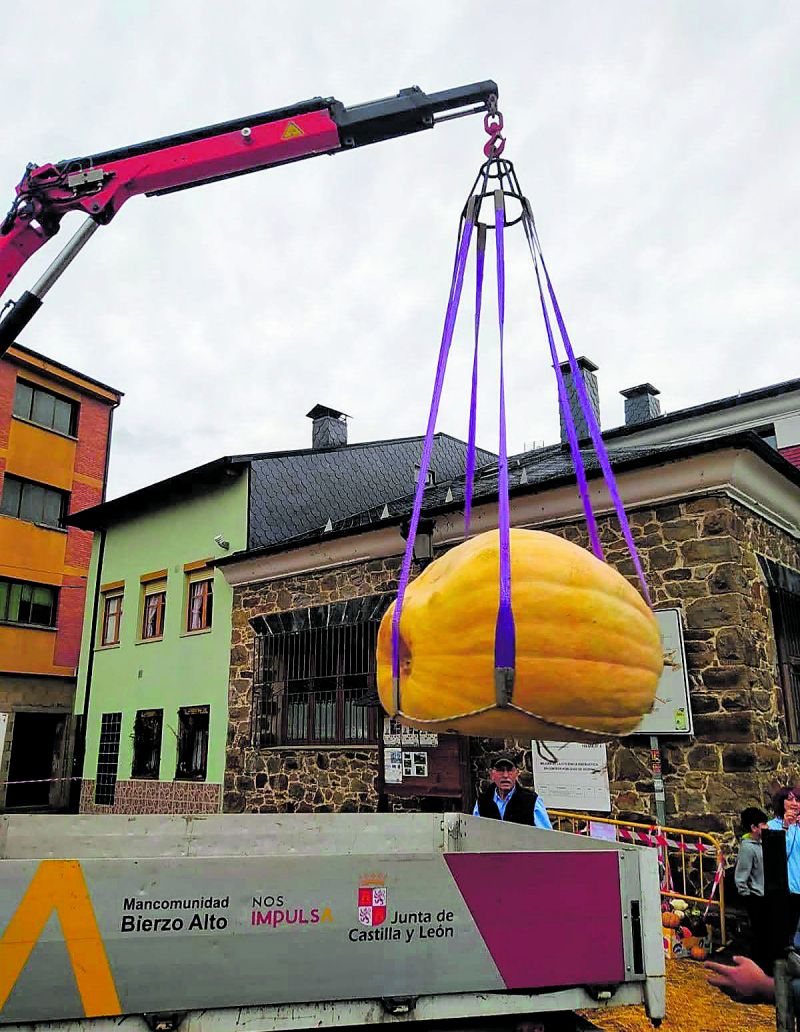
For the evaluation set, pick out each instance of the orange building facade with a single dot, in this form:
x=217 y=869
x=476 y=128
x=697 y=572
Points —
x=55 y=433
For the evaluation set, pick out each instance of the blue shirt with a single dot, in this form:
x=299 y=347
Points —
x=792 y=851
x=540 y=817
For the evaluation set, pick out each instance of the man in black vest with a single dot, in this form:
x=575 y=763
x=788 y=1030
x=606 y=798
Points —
x=505 y=800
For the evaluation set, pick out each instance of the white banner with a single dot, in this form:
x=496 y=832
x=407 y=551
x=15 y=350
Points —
x=393 y=766
x=572 y=776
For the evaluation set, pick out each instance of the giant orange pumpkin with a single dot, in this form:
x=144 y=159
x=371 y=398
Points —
x=588 y=649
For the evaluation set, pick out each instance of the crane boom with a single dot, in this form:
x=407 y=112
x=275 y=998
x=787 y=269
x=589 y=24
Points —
x=99 y=184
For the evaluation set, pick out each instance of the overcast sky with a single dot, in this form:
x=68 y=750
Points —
x=658 y=143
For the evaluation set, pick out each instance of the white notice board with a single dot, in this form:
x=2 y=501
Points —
x=393 y=766
x=572 y=776
x=672 y=712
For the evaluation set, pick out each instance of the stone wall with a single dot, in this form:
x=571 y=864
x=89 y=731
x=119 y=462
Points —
x=698 y=555
x=284 y=779
x=306 y=781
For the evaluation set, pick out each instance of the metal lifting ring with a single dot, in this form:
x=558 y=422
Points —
x=495 y=174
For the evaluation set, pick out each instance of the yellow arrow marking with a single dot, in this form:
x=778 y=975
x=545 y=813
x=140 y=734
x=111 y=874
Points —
x=59 y=886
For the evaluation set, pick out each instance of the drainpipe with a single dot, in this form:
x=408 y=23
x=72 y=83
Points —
x=79 y=751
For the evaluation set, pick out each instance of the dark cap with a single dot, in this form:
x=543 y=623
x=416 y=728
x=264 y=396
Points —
x=504 y=761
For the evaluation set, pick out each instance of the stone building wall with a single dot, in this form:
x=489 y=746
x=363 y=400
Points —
x=701 y=556
x=287 y=779
x=698 y=555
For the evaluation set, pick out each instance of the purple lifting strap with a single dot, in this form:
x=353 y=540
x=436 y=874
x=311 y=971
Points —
x=473 y=402
x=505 y=637
x=597 y=438
x=569 y=422
x=427 y=448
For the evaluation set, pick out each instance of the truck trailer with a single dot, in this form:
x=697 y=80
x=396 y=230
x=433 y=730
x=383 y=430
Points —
x=266 y=922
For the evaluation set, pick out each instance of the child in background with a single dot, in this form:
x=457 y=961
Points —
x=749 y=878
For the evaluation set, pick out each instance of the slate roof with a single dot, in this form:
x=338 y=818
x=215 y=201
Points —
x=294 y=492
x=693 y=411
x=297 y=492
x=530 y=472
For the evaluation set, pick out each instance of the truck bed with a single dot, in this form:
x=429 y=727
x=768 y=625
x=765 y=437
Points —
x=260 y=922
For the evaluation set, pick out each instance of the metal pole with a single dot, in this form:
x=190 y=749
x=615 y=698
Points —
x=658 y=781
x=62 y=260
x=19 y=313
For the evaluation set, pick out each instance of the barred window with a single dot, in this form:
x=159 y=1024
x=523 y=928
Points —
x=784 y=597
x=192 y=743
x=147 y=744
x=107 y=759
x=315 y=685
x=786 y=618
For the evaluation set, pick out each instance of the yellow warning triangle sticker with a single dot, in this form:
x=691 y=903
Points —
x=291 y=131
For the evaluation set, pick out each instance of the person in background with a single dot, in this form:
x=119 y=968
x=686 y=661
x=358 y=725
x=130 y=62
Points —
x=505 y=800
x=749 y=878
x=786 y=806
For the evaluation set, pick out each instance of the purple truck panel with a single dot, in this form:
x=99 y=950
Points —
x=563 y=917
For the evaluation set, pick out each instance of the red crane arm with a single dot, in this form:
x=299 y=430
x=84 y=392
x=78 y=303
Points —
x=100 y=184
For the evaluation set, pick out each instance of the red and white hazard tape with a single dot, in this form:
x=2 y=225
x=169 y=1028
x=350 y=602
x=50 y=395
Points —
x=717 y=879
x=655 y=837
x=40 y=781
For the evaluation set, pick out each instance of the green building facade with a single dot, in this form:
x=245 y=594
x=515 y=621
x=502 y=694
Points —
x=153 y=673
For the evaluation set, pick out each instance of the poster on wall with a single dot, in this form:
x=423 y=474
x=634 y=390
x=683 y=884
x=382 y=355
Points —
x=415 y=765
x=672 y=712
x=572 y=776
x=393 y=766
x=395 y=733
x=391 y=731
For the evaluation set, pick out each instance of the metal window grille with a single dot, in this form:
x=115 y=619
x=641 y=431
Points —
x=192 y=743
x=147 y=744
x=107 y=759
x=786 y=618
x=316 y=686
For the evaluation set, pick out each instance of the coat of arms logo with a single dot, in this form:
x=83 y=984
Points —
x=372 y=900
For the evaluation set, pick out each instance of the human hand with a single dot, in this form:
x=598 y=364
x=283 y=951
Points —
x=743 y=980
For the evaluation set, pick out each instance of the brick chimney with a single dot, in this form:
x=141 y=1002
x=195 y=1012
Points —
x=588 y=369
x=329 y=427
x=641 y=404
